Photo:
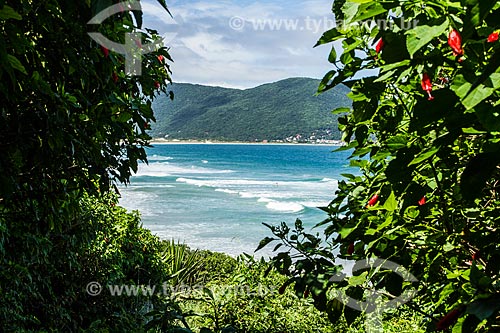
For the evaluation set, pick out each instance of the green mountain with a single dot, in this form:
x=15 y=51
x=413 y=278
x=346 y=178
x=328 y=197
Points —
x=274 y=111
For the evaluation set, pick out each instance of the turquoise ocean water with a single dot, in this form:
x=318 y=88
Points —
x=216 y=196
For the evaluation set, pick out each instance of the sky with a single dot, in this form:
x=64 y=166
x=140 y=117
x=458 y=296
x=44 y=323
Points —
x=242 y=44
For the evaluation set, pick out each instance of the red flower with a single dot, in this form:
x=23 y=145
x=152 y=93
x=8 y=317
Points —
x=448 y=320
x=105 y=51
x=115 y=77
x=157 y=85
x=161 y=58
x=427 y=85
x=476 y=255
x=493 y=37
x=422 y=201
x=380 y=45
x=373 y=200
x=350 y=249
x=455 y=42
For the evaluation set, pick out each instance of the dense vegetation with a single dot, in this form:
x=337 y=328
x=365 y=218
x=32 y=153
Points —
x=272 y=111
x=71 y=124
x=425 y=131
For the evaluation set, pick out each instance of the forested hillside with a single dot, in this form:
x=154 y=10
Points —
x=274 y=111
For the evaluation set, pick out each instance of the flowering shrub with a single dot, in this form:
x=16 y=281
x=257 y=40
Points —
x=432 y=158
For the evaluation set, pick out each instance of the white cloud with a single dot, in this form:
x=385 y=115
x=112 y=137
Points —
x=207 y=50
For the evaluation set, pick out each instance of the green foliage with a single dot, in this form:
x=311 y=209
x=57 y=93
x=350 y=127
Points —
x=424 y=133
x=214 y=266
x=248 y=301
x=272 y=111
x=105 y=244
x=71 y=123
x=182 y=263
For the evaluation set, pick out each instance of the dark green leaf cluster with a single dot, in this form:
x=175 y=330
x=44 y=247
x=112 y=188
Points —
x=71 y=123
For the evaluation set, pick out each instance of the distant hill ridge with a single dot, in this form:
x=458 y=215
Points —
x=278 y=111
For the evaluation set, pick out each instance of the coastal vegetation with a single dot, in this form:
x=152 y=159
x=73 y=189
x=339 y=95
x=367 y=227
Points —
x=423 y=128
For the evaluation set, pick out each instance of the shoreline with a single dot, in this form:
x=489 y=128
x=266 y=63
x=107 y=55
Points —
x=157 y=141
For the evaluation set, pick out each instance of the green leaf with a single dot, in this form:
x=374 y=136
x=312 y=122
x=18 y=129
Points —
x=472 y=131
x=368 y=10
x=333 y=55
x=342 y=110
x=397 y=142
x=391 y=204
x=358 y=280
x=209 y=293
x=324 y=84
x=163 y=3
x=16 y=64
x=484 y=309
x=424 y=156
x=8 y=12
x=448 y=247
x=345 y=232
x=264 y=242
x=482 y=91
x=422 y=35
x=329 y=36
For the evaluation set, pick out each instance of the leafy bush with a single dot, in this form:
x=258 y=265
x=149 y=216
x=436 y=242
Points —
x=249 y=301
x=71 y=124
x=424 y=130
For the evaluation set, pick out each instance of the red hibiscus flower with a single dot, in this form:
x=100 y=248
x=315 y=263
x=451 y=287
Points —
x=105 y=51
x=427 y=85
x=455 y=42
x=493 y=37
x=373 y=200
x=380 y=46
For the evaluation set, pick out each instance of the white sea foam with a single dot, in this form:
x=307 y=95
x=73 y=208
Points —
x=243 y=182
x=285 y=207
x=315 y=204
x=166 y=169
x=272 y=192
x=223 y=190
x=159 y=158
